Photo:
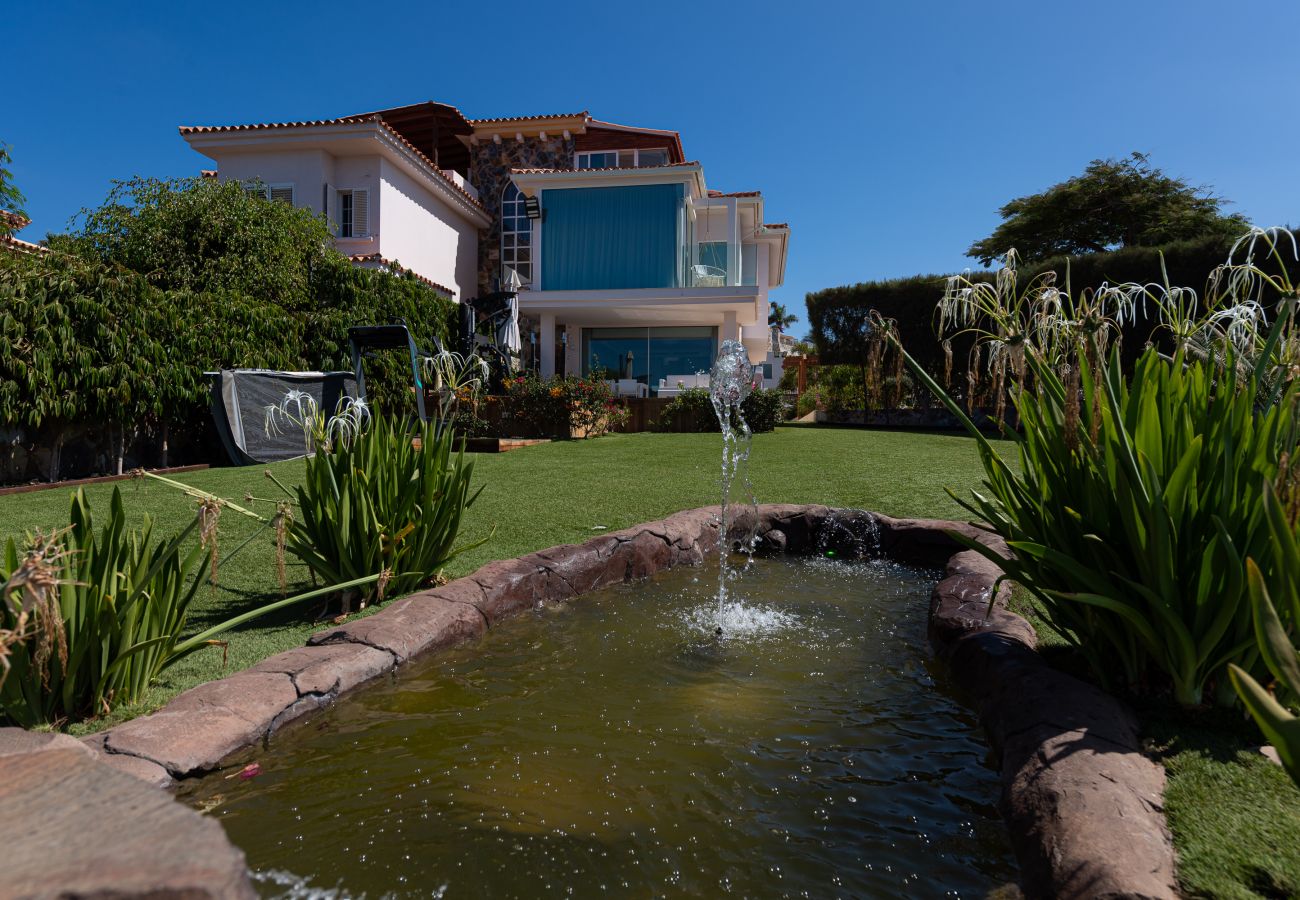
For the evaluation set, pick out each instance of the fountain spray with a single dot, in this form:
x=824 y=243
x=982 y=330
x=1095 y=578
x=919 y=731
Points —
x=731 y=381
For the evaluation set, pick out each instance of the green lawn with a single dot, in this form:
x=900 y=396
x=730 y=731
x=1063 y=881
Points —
x=534 y=498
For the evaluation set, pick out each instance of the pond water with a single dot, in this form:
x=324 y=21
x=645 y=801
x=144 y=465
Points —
x=619 y=745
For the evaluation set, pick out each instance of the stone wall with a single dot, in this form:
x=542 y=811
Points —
x=489 y=170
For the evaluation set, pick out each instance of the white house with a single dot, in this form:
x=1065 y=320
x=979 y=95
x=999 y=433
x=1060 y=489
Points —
x=391 y=183
x=626 y=264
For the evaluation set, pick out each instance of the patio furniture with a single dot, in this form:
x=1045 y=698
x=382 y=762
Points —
x=672 y=385
x=708 y=276
x=630 y=387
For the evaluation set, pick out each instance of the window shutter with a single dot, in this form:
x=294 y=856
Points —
x=283 y=193
x=361 y=213
x=254 y=189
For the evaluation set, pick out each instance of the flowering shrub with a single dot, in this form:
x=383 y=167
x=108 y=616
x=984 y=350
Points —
x=563 y=405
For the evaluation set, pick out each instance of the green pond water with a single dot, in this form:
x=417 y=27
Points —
x=617 y=745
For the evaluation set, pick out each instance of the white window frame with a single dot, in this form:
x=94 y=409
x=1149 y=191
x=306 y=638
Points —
x=510 y=245
x=636 y=156
x=267 y=190
x=339 y=194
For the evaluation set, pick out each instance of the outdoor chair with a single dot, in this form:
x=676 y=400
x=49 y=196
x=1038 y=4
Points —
x=708 y=276
x=630 y=387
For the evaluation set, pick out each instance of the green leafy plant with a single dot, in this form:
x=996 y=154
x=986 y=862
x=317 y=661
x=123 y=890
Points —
x=88 y=619
x=1273 y=608
x=384 y=503
x=1138 y=498
x=692 y=411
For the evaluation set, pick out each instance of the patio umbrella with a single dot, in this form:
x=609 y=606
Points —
x=508 y=338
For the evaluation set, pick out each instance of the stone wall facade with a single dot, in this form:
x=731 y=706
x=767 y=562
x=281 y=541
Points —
x=489 y=170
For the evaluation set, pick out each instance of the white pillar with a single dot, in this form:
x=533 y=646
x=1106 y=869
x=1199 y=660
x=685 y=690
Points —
x=757 y=339
x=547 y=339
x=730 y=330
x=573 y=350
x=733 y=244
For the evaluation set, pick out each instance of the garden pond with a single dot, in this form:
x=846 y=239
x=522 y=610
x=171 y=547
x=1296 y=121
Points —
x=623 y=743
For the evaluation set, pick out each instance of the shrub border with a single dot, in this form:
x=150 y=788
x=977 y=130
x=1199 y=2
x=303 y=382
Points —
x=1081 y=801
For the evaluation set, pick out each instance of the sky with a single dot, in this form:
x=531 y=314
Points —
x=887 y=134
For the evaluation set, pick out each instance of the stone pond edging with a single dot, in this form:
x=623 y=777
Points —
x=1082 y=803
x=70 y=827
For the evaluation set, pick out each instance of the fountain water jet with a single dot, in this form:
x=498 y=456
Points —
x=731 y=381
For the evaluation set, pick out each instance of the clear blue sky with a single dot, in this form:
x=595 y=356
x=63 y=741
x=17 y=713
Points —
x=886 y=133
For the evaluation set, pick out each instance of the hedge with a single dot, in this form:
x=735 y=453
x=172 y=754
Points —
x=838 y=315
x=86 y=343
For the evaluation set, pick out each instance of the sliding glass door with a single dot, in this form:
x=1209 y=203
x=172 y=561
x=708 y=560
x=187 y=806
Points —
x=648 y=355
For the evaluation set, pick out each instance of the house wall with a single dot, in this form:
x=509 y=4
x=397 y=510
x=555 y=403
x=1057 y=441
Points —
x=306 y=170
x=356 y=173
x=490 y=165
x=408 y=223
x=424 y=234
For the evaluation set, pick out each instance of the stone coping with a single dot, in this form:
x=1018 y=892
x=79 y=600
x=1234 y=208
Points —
x=1082 y=803
x=72 y=827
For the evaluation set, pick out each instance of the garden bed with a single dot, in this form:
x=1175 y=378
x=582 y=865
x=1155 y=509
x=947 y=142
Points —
x=100 y=479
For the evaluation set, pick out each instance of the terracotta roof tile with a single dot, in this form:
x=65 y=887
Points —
x=9 y=242
x=777 y=226
x=376 y=258
x=343 y=120
x=504 y=119
x=736 y=194
x=14 y=220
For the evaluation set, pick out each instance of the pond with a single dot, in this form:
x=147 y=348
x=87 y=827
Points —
x=620 y=744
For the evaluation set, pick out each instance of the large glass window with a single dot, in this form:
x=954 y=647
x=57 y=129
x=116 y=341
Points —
x=516 y=237
x=621 y=159
x=648 y=355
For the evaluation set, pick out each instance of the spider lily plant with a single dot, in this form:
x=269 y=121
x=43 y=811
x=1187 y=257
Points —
x=299 y=411
x=385 y=504
x=1275 y=601
x=89 y=618
x=1139 y=496
x=459 y=380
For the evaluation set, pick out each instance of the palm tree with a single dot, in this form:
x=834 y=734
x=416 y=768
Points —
x=777 y=316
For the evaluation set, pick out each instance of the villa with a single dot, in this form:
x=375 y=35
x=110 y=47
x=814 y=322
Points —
x=626 y=264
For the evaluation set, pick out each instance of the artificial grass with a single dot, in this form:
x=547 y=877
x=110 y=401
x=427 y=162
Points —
x=1234 y=814
x=563 y=492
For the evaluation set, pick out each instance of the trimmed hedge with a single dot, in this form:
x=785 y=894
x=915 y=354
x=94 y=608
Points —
x=838 y=315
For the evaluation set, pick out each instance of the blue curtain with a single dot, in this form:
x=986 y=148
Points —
x=610 y=238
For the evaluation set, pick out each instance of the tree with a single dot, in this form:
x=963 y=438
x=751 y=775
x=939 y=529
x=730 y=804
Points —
x=1113 y=204
x=198 y=234
x=11 y=199
x=778 y=316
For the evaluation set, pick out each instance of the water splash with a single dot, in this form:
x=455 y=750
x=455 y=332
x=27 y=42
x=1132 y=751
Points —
x=732 y=619
x=731 y=381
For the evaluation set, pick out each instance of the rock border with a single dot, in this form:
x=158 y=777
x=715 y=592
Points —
x=1081 y=801
x=70 y=827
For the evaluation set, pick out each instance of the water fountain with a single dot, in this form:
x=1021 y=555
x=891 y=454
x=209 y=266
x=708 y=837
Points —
x=730 y=382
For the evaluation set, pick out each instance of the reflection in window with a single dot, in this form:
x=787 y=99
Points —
x=648 y=355
x=621 y=159
x=516 y=237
